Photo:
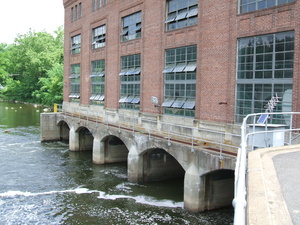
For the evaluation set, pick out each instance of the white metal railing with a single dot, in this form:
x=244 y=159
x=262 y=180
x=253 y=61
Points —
x=169 y=132
x=289 y=129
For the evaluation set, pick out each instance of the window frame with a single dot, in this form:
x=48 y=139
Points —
x=97 y=82
x=99 y=37
x=130 y=76
x=262 y=72
x=96 y=4
x=180 y=81
x=75 y=72
x=257 y=5
x=76 y=44
x=179 y=15
x=76 y=12
x=131 y=27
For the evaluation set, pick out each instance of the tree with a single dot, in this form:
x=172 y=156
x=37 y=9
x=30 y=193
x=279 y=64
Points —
x=51 y=86
x=4 y=62
x=31 y=57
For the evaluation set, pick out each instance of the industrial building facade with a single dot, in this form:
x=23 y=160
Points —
x=165 y=84
x=185 y=60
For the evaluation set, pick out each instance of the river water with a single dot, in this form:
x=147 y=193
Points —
x=45 y=183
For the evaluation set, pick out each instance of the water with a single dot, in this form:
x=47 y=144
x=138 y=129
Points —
x=45 y=183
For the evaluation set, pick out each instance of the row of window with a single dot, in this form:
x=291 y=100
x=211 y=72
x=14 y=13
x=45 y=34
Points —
x=131 y=30
x=264 y=69
x=180 y=82
x=132 y=25
x=180 y=13
x=76 y=12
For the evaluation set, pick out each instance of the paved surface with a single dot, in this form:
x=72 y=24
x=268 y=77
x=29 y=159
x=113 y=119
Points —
x=287 y=166
x=274 y=186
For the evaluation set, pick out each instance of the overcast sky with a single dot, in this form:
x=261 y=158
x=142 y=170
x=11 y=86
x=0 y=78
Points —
x=18 y=16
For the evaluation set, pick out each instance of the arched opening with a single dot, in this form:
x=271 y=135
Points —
x=86 y=139
x=160 y=165
x=115 y=150
x=219 y=188
x=64 y=131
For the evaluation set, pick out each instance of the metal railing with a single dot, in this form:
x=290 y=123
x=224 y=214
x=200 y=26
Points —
x=250 y=135
x=193 y=136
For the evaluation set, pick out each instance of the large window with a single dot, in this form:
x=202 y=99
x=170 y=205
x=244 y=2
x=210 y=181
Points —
x=76 y=44
x=75 y=82
x=180 y=81
x=99 y=37
x=131 y=26
x=252 y=5
x=130 y=82
x=265 y=70
x=181 y=13
x=98 y=82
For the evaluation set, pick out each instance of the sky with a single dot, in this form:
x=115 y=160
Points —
x=18 y=16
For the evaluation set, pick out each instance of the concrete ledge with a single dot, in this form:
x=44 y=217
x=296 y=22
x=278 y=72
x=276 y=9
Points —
x=265 y=203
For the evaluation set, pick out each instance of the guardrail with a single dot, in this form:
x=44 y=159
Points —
x=249 y=130
x=218 y=144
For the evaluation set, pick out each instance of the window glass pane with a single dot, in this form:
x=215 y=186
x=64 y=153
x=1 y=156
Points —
x=131 y=26
x=273 y=64
x=180 y=80
x=130 y=81
x=75 y=82
x=252 y=5
x=181 y=13
x=75 y=44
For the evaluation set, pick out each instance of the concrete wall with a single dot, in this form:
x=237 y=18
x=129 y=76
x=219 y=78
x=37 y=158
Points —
x=208 y=131
x=115 y=151
x=49 y=129
x=219 y=189
x=85 y=140
x=159 y=165
x=64 y=132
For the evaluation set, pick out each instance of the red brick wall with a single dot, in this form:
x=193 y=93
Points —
x=219 y=27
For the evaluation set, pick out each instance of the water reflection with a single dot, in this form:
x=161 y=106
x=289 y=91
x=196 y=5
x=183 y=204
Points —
x=15 y=114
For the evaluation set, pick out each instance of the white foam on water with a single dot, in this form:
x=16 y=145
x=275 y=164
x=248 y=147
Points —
x=141 y=199
x=11 y=194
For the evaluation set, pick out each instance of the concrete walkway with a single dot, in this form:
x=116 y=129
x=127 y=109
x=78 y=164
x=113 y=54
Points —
x=274 y=186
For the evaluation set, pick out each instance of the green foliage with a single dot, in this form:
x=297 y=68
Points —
x=51 y=86
x=4 y=61
x=31 y=68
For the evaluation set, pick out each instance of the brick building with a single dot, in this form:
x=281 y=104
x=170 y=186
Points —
x=206 y=62
x=164 y=85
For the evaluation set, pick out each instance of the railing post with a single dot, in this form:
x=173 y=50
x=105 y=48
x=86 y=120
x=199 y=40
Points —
x=291 y=127
x=221 y=150
x=55 y=108
x=169 y=143
x=192 y=142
